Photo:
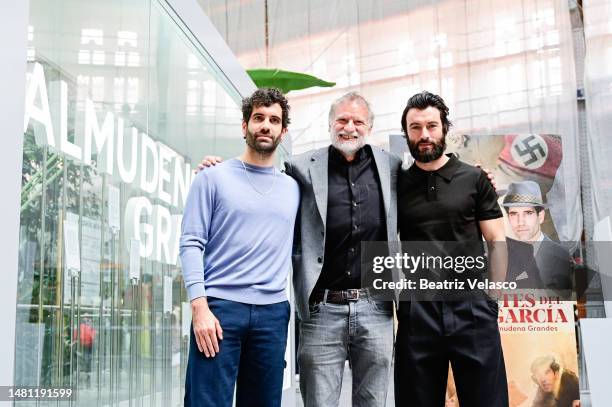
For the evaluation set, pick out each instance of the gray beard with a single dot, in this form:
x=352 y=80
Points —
x=350 y=148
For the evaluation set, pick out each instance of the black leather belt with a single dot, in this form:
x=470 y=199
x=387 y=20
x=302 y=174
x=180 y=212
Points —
x=339 y=297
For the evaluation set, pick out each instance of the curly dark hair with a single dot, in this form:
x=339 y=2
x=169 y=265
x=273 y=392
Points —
x=422 y=101
x=266 y=97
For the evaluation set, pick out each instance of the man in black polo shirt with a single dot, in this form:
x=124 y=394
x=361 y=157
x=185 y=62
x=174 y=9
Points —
x=442 y=199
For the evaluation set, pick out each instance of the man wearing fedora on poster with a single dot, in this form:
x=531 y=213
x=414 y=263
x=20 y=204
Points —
x=525 y=207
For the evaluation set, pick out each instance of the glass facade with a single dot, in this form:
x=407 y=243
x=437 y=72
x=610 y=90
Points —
x=121 y=103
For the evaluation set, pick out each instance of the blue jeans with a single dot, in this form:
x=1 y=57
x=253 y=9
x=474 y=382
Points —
x=251 y=357
x=360 y=331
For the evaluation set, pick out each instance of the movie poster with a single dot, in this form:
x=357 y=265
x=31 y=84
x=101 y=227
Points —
x=539 y=341
x=537 y=326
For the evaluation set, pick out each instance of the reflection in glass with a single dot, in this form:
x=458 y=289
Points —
x=118 y=76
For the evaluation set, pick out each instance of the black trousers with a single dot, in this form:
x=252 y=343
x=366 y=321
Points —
x=432 y=333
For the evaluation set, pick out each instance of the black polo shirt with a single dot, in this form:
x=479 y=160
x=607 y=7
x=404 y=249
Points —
x=445 y=205
x=355 y=213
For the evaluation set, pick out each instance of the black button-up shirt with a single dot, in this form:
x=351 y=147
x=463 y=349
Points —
x=445 y=205
x=355 y=213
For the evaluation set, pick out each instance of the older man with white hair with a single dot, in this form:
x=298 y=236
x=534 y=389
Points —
x=348 y=196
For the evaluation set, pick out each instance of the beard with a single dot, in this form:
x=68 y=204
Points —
x=347 y=147
x=427 y=155
x=262 y=147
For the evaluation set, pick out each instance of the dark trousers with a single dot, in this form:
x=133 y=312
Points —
x=430 y=334
x=251 y=357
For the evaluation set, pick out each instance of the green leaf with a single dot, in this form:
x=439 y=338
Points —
x=285 y=80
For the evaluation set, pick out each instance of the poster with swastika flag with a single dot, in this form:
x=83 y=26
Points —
x=515 y=158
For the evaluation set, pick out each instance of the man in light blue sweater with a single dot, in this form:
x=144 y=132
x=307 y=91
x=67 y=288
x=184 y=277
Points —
x=235 y=252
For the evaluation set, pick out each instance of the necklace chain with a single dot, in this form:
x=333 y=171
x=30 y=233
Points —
x=253 y=185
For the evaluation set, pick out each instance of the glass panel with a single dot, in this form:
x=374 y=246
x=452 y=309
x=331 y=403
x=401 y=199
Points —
x=122 y=105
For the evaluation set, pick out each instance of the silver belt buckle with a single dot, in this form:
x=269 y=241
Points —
x=353 y=294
